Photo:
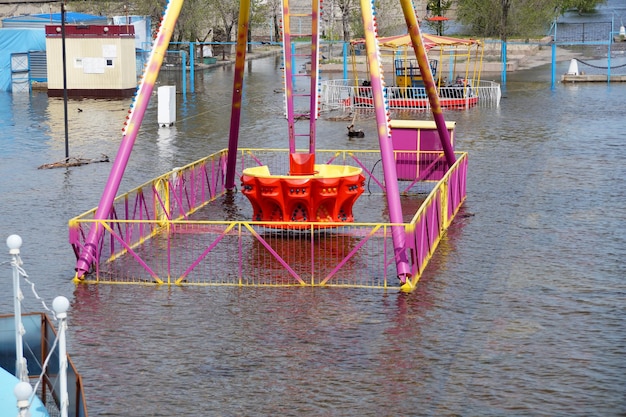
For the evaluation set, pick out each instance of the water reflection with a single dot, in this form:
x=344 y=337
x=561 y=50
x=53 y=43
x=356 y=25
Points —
x=519 y=312
x=166 y=142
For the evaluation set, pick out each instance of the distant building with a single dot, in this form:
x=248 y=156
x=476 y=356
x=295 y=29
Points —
x=21 y=53
x=23 y=46
x=100 y=60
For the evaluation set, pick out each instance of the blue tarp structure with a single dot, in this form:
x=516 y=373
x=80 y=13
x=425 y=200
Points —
x=21 y=34
x=13 y=41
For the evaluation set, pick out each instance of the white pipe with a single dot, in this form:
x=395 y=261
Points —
x=60 y=305
x=14 y=242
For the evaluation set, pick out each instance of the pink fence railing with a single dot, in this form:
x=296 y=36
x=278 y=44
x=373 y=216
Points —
x=185 y=228
x=435 y=215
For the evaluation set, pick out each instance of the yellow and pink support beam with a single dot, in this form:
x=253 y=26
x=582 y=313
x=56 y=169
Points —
x=384 y=139
x=135 y=117
x=427 y=76
x=235 y=115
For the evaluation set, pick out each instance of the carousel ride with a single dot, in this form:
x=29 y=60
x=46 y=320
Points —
x=455 y=64
x=309 y=196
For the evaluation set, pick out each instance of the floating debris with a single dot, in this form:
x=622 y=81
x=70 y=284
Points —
x=74 y=162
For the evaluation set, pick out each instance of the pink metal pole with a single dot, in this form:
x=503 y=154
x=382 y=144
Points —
x=135 y=117
x=313 y=103
x=235 y=116
x=288 y=74
x=384 y=139
x=427 y=76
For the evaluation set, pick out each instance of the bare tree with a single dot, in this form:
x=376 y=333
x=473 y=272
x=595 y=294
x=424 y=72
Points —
x=345 y=8
x=227 y=13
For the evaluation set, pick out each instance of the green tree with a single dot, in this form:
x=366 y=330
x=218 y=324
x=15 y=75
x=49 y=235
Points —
x=513 y=18
x=193 y=21
x=348 y=12
x=227 y=13
x=356 y=23
x=389 y=17
x=582 y=6
x=437 y=8
x=263 y=16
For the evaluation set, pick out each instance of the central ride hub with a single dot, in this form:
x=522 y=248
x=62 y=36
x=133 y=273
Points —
x=310 y=193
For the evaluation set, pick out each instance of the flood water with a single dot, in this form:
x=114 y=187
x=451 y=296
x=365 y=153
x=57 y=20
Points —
x=522 y=311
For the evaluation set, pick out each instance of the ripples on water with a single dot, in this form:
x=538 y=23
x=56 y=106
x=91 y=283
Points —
x=521 y=311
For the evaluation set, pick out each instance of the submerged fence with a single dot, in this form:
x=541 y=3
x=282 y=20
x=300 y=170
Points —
x=599 y=42
x=344 y=94
x=184 y=228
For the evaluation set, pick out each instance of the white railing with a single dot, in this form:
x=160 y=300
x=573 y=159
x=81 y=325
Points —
x=343 y=94
x=58 y=388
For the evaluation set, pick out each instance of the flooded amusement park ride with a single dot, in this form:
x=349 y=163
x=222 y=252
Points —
x=303 y=229
x=455 y=64
x=311 y=192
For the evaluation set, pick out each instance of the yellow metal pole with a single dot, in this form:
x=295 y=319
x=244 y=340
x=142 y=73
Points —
x=427 y=76
x=235 y=116
x=384 y=140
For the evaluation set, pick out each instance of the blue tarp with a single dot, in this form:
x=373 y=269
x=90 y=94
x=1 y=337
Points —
x=71 y=18
x=14 y=41
x=8 y=402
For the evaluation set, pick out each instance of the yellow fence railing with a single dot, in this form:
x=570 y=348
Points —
x=184 y=228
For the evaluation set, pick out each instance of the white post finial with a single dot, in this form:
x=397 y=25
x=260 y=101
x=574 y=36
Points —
x=14 y=242
x=60 y=305
x=22 y=392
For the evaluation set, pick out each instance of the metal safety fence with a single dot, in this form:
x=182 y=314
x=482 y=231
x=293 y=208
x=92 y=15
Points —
x=185 y=228
x=600 y=44
x=344 y=94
